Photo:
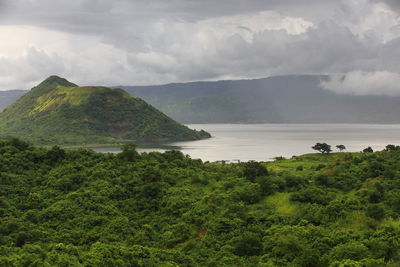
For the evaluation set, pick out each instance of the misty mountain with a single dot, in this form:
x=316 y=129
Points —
x=280 y=99
x=9 y=97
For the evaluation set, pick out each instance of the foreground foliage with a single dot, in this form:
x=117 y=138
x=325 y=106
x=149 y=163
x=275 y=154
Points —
x=81 y=208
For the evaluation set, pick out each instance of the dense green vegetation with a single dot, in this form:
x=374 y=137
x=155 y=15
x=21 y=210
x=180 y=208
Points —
x=59 y=112
x=81 y=208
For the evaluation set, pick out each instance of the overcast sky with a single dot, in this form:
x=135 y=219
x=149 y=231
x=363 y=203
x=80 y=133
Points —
x=122 y=42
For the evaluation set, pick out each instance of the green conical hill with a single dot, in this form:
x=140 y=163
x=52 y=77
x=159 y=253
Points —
x=59 y=112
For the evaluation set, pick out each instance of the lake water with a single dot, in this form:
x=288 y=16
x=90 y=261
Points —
x=263 y=142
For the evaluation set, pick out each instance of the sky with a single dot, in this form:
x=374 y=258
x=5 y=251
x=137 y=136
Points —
x=141 y=42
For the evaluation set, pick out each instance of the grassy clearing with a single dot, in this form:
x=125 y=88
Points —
x=309 y=163
x=282 y=204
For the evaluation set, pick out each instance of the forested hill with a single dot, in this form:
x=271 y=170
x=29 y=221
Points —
x=81 y=208
x=60 y=112
x=281 y=99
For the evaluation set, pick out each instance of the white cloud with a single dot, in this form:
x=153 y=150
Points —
x=364 y=83
x=25 y=69
x=141 y=42
x=30 y=54
x=372 y=20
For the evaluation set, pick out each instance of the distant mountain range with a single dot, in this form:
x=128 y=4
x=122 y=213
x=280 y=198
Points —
x=9 y=97
x=60 y=112
x=280 y=99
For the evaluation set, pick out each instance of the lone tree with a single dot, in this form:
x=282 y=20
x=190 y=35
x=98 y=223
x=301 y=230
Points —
x=324 y=148
x=341 y=147
x=129 y=152
x=368 y=150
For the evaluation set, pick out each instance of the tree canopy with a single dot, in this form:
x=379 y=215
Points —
x=341 y=147
x=324 y=148
x=80 y=208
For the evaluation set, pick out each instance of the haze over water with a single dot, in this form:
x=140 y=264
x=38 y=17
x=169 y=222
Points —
x=263 y=142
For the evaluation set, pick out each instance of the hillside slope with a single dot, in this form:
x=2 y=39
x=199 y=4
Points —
x=280 y=99
x=81 y=208
x=59 y=112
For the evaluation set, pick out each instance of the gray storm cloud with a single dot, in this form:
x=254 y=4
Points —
x=152 y=42
x=395 y=4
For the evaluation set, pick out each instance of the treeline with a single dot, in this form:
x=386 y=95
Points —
x=81 y=208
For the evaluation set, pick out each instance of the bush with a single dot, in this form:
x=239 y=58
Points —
x=299 y=168
x=350 y=251
x=376 y=212
x=247 y=244
x=312 y=195
x=253 y=169
x=319 y=167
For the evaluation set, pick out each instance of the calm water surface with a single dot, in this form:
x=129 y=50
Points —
x=263 y=142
